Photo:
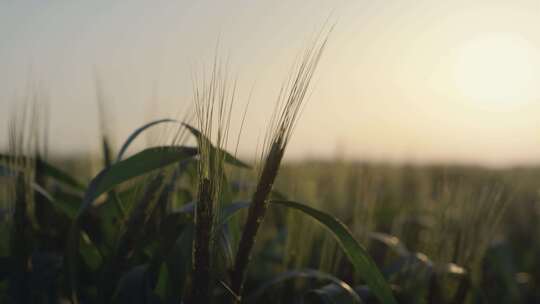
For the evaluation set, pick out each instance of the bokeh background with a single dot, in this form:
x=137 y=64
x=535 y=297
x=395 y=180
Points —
x=401 y=81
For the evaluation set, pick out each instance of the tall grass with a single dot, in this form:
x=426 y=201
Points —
x=214 y=100
x=449 y=215
x=288 y=108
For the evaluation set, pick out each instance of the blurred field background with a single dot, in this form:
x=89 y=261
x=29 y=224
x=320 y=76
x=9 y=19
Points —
x=414 y=219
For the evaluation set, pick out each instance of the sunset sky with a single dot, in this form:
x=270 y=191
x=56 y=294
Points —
x=416 y=81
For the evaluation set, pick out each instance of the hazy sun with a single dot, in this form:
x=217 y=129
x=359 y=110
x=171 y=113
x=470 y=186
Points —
x=497 y=70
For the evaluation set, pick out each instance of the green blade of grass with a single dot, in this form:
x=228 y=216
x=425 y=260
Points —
x=67 y=208
x=60 y=175
x=141 y=163
x=358 y=256
x=301 y=273
x=229 y=210
x=179 y=262
x=137 y=132
x=106 y=150
x=162 y=280
x=89 y=253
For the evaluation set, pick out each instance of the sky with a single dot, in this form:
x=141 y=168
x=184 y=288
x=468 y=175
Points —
x=406 y=81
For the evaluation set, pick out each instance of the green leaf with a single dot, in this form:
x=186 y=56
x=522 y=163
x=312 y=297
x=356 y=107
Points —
x=141 y=163
x=358 y=256
x=276 y=195
x=228 y=158
x=230 y=210
x=137 y=132
x=181 y=197
x=109 y=224
x=60 y=175
x=161 y=285
x=301 y=273
x=224 y=257
x=106 y=150
x=66 y=207
x=179 y=264
x=73 y=245
x=90 y=255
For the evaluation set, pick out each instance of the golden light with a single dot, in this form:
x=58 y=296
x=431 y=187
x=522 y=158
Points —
x=497 y=70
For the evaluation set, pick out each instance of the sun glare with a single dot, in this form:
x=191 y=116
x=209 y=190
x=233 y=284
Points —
x=497 y=70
